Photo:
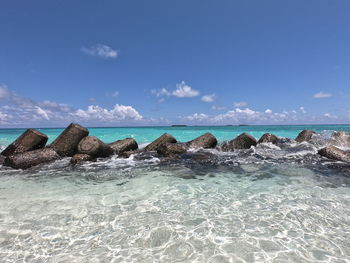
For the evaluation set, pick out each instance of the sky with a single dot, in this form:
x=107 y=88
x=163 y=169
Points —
x=156 y=62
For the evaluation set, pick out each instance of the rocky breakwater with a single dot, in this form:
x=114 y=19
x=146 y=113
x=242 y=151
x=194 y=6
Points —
x=30 y=148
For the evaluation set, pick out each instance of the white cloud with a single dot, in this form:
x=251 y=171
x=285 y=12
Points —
x=218 y=107
x=17 y=111
x=161 y=92
x=184 y=91
x=208 y=98
x=240 y=104
x=115 y=94
x=42 y=113
x=96 y=113
x=302 y=109
x=101 y=50
x=322 y=95
x=250 y=116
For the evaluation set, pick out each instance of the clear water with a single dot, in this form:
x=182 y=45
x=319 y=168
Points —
x=265 y=204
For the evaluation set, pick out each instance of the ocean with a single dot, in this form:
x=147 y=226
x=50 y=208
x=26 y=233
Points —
x=266 y=204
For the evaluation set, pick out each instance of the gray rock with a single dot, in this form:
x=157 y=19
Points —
x=127 y=154
x=304 y=136
x=165 y=138
x=120 y=146
x=80 y=158
x=30 y=140
x=2 y=159
x=341 y=137
x=205 y=141
x=94 y=147
x=268 y=137
x=243 y=141
x=32 y=158
x=334 y=153
x=67 y=142
x=172 y=149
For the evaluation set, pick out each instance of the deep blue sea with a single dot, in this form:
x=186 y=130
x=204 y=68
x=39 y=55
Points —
x=269 y=203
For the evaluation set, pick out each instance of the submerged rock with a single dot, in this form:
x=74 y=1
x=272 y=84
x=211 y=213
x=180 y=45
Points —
x=32 y=158
x=94 y=147
x=172 y=149
x=165 y=138
x=243 y=141
x=67 y=142
x=80 y=158
x=268 y=137
x=334 y=153
x=205 y=141
x=120 y=146
x=30 y=140
x=305 y=136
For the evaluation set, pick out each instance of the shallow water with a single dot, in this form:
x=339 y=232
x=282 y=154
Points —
x=265 y=204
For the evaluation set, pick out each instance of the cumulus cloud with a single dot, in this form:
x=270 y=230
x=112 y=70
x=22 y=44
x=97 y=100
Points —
x=161 y=92
x=185 y=91
x=218 y=107
x=250 y=116
x=182 y=91
x=208 y=98
x=240 y=104
x=96 y=113
x=18 y=111
x=322 y=95
x=100 y=50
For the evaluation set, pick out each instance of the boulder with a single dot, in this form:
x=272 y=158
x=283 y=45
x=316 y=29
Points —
x=334 y=153
x=127 y=154
x=120 y=146
x=67 y=142
x=32 y=158
x=172 y=149
x=243 y=141
x=341 y=137
x=80 y=158
x=165 y=138
x=304 y=136
x=2 y=159
x=205 y=141
x=30 y=140
x=268 y=137
x=94 y=147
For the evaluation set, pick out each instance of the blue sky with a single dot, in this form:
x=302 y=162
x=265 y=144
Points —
x=117 y=63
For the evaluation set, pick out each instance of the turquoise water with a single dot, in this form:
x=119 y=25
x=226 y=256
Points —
x=266 y=204
x=147 y=134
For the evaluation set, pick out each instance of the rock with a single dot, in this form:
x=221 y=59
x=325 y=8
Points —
x=243 y=141
x=80 y=158
x=94 y=147
x=268 y=137
x=205 y=141
x=200 y=157
x=2 y=159
x=32 y=158
x=66 y=143
x=165 y=138
x=127 y=154
x=304 y=136
x=172 y=149
x=334 y=153
x=30 y=140
x=120 y=146
x=341 y=137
